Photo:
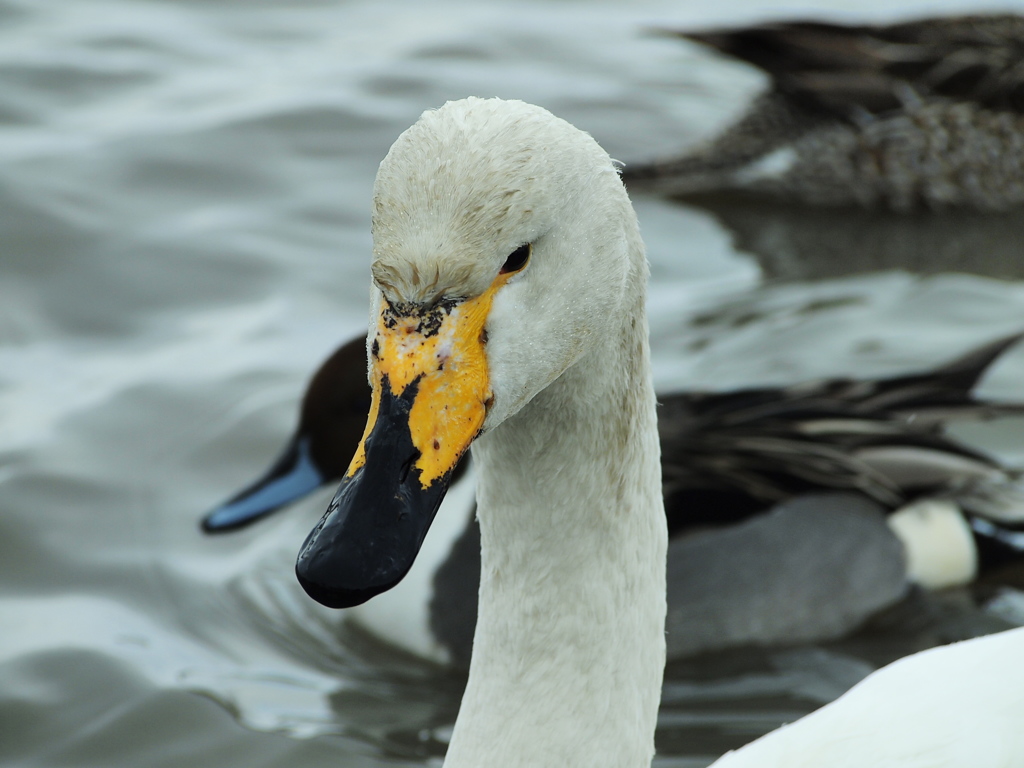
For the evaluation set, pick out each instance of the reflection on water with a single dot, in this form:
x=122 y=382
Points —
x=184 y=218
x=795 y=243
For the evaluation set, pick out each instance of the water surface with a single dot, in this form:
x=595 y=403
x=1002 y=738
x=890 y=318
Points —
x=184 y=235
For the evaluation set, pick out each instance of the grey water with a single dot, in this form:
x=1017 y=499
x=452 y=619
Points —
x=184 y=235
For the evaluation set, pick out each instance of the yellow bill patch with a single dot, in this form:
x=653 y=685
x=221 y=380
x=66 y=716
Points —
x=443 y=347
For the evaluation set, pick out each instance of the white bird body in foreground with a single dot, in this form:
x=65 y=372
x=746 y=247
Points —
x=956 y=706
x=547 y=348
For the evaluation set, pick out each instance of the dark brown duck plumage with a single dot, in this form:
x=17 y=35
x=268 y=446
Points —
x=924 y=114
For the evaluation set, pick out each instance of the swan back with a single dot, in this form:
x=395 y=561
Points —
x=954 y=706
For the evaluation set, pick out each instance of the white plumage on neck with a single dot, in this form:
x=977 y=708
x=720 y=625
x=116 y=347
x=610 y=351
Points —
x=569 y=646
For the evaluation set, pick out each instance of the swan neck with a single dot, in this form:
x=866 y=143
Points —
x=569 y=646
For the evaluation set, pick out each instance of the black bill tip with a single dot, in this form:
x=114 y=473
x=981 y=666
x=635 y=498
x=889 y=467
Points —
x=373 y=529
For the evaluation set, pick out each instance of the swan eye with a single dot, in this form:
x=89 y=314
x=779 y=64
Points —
x=517 y=259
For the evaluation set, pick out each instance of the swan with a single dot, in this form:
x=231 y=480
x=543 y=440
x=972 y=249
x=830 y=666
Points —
x=507 y=312
x=790 y=480
x=919 y=115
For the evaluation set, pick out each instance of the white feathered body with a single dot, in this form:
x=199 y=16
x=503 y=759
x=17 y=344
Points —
x=956 y=706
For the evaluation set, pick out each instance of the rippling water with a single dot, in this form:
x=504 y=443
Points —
x=184 y=223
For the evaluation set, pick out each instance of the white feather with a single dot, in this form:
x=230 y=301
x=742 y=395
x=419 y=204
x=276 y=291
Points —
x=938 y=543
x=957 y=706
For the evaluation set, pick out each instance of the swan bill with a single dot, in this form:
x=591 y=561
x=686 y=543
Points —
x=431 y=392
x=374 y=526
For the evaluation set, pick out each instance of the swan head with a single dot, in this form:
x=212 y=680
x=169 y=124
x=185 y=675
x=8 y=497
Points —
x=503 y=247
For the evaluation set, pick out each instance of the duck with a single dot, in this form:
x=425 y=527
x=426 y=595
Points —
x=791 y=480
x=507 y=316
x=920 y=115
